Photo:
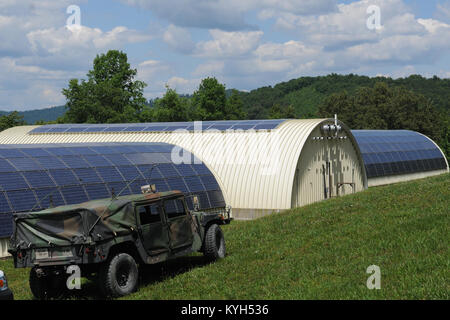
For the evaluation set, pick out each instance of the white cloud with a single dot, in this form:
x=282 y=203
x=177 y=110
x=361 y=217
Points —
x=179 y=39
x=150 y=71
x=433 y=26
x=210 y=68
x=39 y=54
x=443 y=11
x=228 y=15
x=228 y=44
x=182 y=85
x=30 y=86
x=78 y=39
x=196 y=13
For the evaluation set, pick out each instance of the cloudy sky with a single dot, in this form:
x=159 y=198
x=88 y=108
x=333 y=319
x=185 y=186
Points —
x=246 y=44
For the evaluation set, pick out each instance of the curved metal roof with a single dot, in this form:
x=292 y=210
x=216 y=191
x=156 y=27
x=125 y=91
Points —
x=30 y=175
x=159 y=126
x=398 y=152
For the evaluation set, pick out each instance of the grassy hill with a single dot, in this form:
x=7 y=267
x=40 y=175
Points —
x=320 y=251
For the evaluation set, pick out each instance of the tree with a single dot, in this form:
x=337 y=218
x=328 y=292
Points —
x=210 y=100
x=383 y=107
x=11 y=120
x=109 y=95
x=282 y=112
x=234 y=107
x=170 y=107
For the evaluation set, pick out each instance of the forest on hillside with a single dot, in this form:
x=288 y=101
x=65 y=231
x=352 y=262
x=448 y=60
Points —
x=306 y=94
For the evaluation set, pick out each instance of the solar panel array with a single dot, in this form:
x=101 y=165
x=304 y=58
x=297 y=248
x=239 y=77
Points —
x=159 y=127
x=394 y=152
x=31 y=175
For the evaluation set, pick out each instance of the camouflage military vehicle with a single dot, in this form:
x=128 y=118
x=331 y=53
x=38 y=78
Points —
x=109 y=238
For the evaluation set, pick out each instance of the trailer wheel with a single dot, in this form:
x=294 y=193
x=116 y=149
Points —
x=47 y=286
x=214 y=246
x=119 y=276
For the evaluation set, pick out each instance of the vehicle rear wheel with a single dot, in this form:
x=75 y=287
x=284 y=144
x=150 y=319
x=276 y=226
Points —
x=214 y=246
x=119 y=276
x=48 y=286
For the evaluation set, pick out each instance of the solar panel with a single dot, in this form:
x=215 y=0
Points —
x=74 y=194
x=11 y=153
x=96 y=161
x=194 y=184
x=6 y=224
x=45 y=195
x=177 y=184
x=75 y=162
x=4 y=205
x=22 y=200
x=114 y=129
x=130 y=173
x=64 y=177
x=57 y=129
x=51 y=163
x=110 y=174
x=38 y=179
x=87 y=175
x=12 y=181
x=5 y=166
x=159 y=126
x=394 y=152
x=74 y=173
x=60 y=151
x=97 y=191
x=117 y=159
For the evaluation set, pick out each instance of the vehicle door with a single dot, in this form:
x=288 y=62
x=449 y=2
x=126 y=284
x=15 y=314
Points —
x=179 y=222
x=154 y=230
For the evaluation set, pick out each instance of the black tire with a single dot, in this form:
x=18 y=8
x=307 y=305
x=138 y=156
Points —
x=47 y=286
x=119 y=276
x=214 y=246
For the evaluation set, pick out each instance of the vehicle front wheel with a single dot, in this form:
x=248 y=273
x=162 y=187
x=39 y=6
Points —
x=214 y=246
x=119 y=276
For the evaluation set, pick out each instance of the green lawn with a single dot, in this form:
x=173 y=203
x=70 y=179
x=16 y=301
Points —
x=319 y=251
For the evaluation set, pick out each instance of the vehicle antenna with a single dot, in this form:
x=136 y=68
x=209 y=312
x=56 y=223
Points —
x=113 y=198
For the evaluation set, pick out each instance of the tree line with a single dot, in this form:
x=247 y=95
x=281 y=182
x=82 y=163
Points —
x=111 y=94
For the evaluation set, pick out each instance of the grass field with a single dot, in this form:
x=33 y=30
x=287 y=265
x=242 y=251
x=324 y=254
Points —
x=320 y=251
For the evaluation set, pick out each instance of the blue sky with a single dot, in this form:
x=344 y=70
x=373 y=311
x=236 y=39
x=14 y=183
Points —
x=246 y=44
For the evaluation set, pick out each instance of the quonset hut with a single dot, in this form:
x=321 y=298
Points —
x=35 y=176
x=261 y=166
x=392 y=156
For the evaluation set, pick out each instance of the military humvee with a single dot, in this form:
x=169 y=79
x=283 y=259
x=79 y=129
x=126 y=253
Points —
x=109 y=238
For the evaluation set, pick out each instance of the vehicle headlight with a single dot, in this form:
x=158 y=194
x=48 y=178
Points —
x=3 y=282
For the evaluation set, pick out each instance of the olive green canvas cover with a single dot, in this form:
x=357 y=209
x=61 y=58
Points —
x=68 y=225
